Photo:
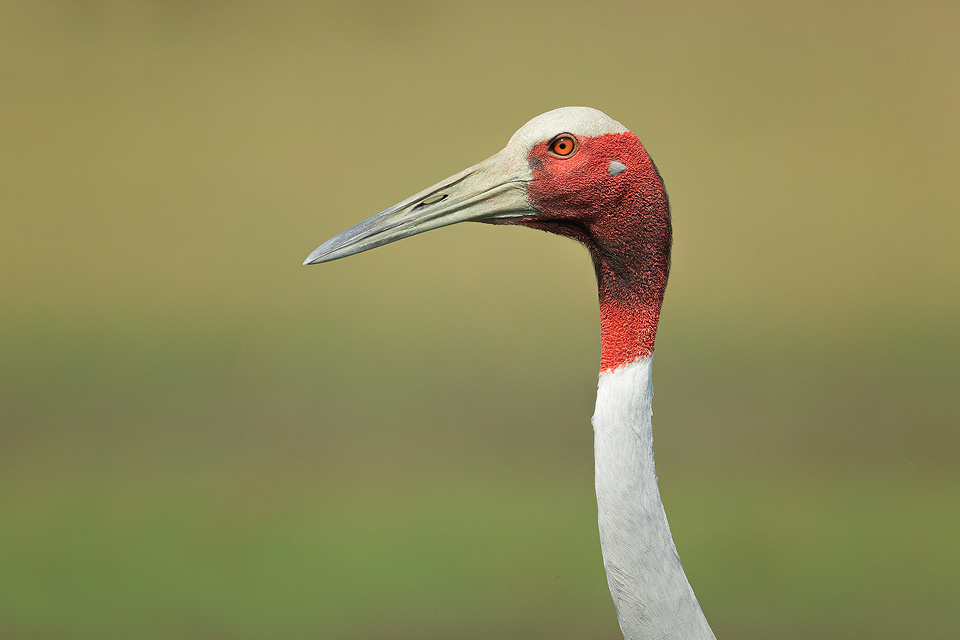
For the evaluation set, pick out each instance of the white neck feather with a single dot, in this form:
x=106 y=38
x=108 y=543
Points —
x=649 y=589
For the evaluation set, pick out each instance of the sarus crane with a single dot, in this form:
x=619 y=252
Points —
x=578 y=173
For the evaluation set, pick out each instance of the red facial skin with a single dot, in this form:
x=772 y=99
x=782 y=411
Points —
x=623 y=220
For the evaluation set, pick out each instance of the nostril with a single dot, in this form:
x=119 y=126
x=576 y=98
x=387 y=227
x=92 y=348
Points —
x=434 y=199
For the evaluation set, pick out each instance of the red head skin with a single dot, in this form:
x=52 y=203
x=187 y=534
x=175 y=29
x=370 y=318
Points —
x=623 y=220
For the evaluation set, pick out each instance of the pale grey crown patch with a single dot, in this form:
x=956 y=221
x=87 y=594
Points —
x=616 y=168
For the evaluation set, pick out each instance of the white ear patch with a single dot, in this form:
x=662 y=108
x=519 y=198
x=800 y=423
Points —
x=616 y=168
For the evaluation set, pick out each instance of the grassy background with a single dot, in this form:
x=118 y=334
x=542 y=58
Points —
x=199 y=438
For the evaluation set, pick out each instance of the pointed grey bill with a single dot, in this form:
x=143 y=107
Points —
x=491 y=190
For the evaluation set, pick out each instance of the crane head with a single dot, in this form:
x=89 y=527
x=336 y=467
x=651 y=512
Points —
x=573 y=171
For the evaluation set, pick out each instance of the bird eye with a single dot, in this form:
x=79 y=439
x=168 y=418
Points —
x=563 y=145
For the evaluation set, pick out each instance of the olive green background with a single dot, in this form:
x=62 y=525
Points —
x=200 y=438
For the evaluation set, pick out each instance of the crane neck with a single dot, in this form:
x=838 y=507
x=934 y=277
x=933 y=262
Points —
x=630 y=302
x=650 y=591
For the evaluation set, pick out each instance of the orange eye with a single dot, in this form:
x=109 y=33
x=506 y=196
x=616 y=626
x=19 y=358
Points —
x=563 y=145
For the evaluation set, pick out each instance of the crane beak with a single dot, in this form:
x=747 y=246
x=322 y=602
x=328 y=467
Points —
x=494 y=189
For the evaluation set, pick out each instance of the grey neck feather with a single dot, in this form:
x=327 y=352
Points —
x=651 y=593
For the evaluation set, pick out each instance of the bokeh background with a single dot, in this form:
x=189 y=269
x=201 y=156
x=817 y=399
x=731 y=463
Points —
x=200 y=438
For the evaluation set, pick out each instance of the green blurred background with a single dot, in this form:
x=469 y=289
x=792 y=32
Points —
x=200 y=438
